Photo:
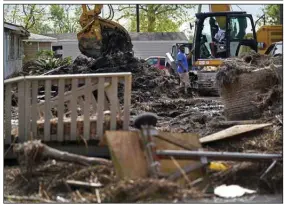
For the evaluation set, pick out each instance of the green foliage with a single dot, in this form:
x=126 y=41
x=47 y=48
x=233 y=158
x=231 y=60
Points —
x=156 y=17
x=42 y=19
x=272 y=13
x=45 y=54
x=45 y=61
x=31 y=16
x=63 y=21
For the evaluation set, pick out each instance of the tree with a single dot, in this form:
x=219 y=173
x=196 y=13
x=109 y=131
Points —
x=42 y=19
x=65 y=18
x=272 y=13
x=156 y=17
x=30 y=16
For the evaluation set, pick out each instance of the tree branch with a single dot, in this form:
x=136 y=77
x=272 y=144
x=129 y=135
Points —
x=167 y=10
x=158 y=6
x=123 y=16
x=123 y=8
x=143 y=8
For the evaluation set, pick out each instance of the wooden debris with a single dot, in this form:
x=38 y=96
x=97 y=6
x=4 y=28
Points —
x=127 y=154
x=27 y=198
x=83 y=184
x=31 y=153
x=181 y=170
x=232 y=131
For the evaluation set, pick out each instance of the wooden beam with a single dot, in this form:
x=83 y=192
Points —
x=232 y=131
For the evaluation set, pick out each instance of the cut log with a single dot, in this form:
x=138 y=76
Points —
x=233 y=131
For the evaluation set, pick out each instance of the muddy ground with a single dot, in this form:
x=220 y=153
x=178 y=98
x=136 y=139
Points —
x=154 y=91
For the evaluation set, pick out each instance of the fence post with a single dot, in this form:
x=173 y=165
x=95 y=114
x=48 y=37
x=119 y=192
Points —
x=22 y=107
x=8 y=99
x=127 y=101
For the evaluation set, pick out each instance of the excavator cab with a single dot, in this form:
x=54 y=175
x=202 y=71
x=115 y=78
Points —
x=219 y=35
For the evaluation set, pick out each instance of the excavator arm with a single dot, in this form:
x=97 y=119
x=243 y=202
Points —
x=100 y=37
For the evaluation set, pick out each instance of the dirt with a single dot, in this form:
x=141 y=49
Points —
x=154 y=91
x=50 y=177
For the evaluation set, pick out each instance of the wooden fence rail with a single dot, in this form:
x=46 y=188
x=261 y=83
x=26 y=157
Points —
x=65 y=107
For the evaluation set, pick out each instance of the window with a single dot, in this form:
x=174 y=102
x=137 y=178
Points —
x=240 y=28
x=11 y=47
x=152 y=61
x=19 y=48
x=162 y=61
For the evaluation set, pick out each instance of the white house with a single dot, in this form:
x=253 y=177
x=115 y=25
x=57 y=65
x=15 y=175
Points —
x=13 y=48
x=144 y=44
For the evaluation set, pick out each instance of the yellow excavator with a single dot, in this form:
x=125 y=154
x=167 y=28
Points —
x=100 y=37
x=239 y=36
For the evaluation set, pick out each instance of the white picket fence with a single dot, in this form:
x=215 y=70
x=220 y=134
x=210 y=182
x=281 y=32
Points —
x=73 y=103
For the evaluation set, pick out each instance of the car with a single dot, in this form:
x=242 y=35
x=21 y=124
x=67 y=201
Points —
x=275 y=49
x=157 y=61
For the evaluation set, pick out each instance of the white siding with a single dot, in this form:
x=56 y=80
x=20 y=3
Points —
x=142 y=49
x=12 y=63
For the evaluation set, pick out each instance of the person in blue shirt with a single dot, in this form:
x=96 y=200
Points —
x=182 y=69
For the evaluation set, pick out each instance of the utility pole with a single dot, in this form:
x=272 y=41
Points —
x=281 y=14
x=137 y=18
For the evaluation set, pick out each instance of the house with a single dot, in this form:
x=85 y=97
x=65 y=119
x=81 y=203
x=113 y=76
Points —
x=36 y=43
x=13 y=48
x=144 y=44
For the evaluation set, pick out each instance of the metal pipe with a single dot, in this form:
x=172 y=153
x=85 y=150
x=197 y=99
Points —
x=137 y=18
x=182 y=154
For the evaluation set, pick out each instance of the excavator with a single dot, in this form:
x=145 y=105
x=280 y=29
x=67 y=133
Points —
x=239 y=36
x=101 y=36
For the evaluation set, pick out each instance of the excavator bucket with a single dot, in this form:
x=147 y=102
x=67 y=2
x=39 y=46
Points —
x=100 y=37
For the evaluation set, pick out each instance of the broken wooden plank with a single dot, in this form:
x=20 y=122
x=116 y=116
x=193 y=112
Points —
x=232 y=131
x=191 y=141
x=83 y=184
x=127 y=155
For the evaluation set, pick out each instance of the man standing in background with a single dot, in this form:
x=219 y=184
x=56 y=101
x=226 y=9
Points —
x=182 y=69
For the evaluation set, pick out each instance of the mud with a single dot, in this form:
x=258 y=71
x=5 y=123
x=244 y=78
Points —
x=154 y=91
x=50 y=177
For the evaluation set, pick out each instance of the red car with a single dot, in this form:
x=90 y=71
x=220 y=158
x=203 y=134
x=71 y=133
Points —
x=157 y=61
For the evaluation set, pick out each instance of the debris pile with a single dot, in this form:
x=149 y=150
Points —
x=153 y=91
x=50 y=183
x=251 y=86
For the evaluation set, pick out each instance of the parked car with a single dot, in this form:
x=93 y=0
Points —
x=275 y=49
x=157 y=61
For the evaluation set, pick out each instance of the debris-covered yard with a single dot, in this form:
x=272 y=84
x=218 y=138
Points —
x=154 y=91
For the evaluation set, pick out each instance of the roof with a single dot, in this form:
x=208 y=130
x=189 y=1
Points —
x=40 y=38
x=17 y=29
x=142 y=36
